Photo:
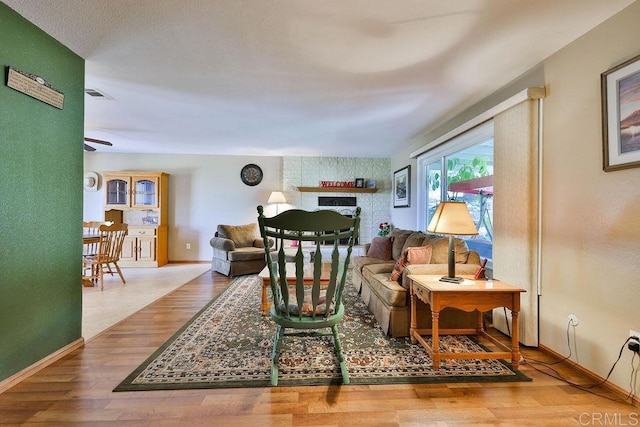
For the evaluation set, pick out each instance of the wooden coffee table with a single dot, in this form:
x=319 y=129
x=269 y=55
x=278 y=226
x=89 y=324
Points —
x=471 y=295
x=291 y=279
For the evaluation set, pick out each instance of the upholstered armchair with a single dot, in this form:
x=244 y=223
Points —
x=237 y=250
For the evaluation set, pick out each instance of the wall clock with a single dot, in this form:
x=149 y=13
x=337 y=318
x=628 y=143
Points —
x=251 y=174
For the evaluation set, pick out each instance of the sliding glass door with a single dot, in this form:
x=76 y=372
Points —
x=461 y=170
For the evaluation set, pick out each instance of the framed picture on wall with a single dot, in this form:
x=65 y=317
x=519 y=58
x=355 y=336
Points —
x=621 y=116
x=402 y=187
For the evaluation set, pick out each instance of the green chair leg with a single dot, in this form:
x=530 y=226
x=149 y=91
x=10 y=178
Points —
x=277 y=344
x=343 y=363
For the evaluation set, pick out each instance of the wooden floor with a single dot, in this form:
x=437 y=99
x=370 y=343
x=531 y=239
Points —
x=77 y=389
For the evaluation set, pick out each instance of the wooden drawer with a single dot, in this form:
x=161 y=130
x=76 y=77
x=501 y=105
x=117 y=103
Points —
x=134 y=231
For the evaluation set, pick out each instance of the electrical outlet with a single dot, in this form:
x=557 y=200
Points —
x=573 y=319
x=188 y=245
x=634 y=343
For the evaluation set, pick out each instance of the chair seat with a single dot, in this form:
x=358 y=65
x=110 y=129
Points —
x=307 y=322
x=307 y=308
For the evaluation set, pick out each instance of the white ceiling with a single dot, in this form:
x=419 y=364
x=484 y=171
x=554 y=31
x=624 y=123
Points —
x=347 y=78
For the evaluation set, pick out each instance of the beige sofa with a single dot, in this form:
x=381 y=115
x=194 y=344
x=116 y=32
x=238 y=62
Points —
x=389 y=299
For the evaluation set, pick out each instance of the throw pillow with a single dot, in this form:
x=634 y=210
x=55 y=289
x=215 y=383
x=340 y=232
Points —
x=380 y=248
x=419 y=254
x=242 y=235
x=414 y=255
x=396 y=274
x=414 y=239
x=398 y=240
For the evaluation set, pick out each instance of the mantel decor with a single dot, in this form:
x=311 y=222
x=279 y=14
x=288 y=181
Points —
x=336 y=190
x=334 y=184
x=402 y=187
x=621 y=116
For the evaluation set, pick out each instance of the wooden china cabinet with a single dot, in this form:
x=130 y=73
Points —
x=139 y=199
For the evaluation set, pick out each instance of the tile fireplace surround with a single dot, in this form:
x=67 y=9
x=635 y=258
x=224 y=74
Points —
x=309 y=171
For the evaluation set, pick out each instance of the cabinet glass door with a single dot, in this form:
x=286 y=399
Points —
x=117 y=192
x=145 y=193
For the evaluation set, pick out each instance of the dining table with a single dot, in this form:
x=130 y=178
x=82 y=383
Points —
x=88 y=240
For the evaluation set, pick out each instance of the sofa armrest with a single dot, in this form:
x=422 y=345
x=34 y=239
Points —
x=222 y=244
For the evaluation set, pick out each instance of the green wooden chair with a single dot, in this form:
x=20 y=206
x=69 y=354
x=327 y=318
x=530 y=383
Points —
x=307 y=295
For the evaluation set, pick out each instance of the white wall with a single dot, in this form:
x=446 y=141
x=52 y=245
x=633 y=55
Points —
x=590 y=221
x=204 y=191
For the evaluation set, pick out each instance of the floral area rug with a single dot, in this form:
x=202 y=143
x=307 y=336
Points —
x=229 y=344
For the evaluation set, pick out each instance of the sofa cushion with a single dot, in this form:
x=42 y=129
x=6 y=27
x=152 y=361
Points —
x=388 y=290
x=242 y=235
x=380 y=248
x=414 y=239
x=246 y=254
x=377 y=268
x=359 y=262
x=440 y=253
x=398 y=238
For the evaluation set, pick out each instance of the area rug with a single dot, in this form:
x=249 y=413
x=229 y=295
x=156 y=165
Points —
x=229 y=343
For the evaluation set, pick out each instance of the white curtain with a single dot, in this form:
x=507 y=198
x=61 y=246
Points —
x=515 y=212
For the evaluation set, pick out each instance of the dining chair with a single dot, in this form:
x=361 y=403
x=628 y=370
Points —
x=90 y=238
x=110 y=241
x=303 y=303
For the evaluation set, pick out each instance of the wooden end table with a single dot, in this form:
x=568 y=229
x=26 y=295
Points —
x=471 y=295
x=291 y=279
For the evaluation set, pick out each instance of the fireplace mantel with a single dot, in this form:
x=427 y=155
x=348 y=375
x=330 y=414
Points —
x=336 y=190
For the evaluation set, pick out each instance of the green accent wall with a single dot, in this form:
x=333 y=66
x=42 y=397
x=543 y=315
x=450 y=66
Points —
x=40 y=199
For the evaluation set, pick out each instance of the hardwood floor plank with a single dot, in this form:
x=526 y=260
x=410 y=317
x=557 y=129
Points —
x=77 y=389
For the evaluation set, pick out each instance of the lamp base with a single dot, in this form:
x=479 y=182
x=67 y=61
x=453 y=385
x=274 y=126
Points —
x=451 y=279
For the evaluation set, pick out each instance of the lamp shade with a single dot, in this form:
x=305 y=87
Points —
x=452 y=218
x=276 y=197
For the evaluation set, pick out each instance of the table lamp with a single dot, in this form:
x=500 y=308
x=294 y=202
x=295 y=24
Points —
x=452 y=218
x=277 y=197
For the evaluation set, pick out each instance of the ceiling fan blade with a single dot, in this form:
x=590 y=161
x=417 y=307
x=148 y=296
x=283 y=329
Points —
x=98 y=141
x=88 y=148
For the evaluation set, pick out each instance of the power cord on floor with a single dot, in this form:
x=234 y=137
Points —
x=633 y=381
x=583 y=387
x=558 y=376
x=564 y=358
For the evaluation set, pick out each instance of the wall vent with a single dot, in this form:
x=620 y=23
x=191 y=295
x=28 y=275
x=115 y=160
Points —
x=96 y=93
